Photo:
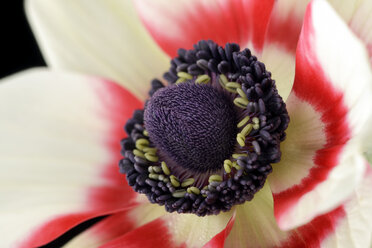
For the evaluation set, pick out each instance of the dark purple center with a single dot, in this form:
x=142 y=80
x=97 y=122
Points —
x=192 y=125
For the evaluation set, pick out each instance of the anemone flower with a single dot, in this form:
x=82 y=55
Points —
x=236 y=147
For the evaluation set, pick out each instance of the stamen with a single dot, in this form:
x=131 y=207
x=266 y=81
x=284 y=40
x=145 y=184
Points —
x=207 y=140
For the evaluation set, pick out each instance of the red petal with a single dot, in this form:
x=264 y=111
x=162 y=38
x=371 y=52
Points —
x=150 y=235
x=180 y=24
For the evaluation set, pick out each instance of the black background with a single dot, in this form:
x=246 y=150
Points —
x=19 y=50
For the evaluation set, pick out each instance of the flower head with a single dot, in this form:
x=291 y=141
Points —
x=61 y=131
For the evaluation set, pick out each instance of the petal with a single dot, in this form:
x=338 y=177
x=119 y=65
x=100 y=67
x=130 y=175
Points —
x=59 y=153
x=174 y=230
x=357 y=14
x=281 y=64
x=285 y=24
x=255 y=225
x=281 y=41
x=329 y=117
x=103 y=38
x=219 y=240
x=117 y=225
x=355 y=229
x=348 y=225
x=180 y=24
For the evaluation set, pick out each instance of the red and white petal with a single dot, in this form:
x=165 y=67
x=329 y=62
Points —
x=117 y=225
x=180 y=24
x=218 y=241
x=328 y=104
x=174 y=230
x=59 y=150
x=357 y=14
x=285 y=24
x=103 y=38
x=281 y=41
x=348 y=225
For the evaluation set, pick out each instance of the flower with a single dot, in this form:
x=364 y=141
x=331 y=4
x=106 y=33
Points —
x=60 y=131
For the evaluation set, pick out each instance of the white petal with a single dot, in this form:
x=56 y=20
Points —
x=357 y=14
x=281 y=63
x=355 y=229
x=255 y=225
x=104 y=38
x=59 y=150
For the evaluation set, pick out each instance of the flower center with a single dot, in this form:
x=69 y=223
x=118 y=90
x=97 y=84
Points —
x=192 y=125
x=207 y=140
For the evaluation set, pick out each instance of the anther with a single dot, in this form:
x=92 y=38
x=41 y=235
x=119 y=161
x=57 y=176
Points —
x=243 y=122
x=165 y=168
x=138 y=153
x=241 y=102
x=247 y=129
x=215 y=178
x=187 y=182
x=204 y=79
x=240 y=138
x=184 y=75
x=179 y=193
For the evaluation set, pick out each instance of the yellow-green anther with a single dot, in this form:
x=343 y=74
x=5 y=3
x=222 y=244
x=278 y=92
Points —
x=150 y=150
x=180 y=80
x=235 y=165
x=166 y=179
x=215 y=178
x=179 y=193
x=165 y=168
x=241 y=102
x=174 y=181
x=161 y=177
x=241 y=93
x=227 y=161
x=138 y=153
x=240 y=138
x=223 y=80
x=150 y=169
x=185 y=75
x=256 y=126
x=145 y=133
x=204 y=79
x=255 y=120
x=243 y=122
x=247 y=129
x=193 y=190
x=227 y=167
x=151 y=157
x=187 y=182
x=157 y=169
x=232 y=86
x=154 y=176
x=237 y=155
x=142 y=143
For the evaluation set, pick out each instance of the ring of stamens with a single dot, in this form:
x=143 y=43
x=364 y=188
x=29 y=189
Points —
x=262 y=120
